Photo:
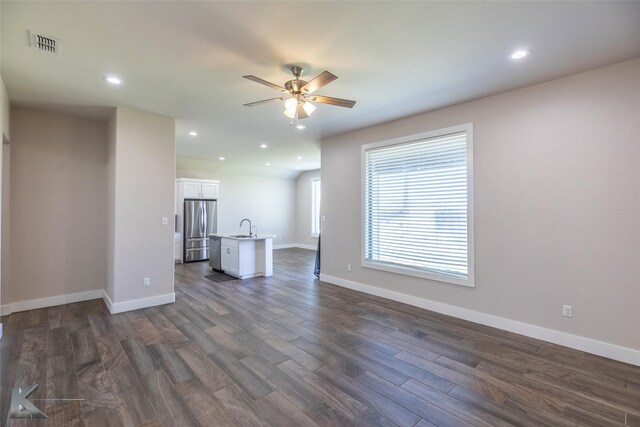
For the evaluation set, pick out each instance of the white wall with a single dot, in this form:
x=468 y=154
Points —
x=142 y=192
x=58 y=205
x=268 y=202
x=5 y=223
x=556 y=205
x=4 y=111
x=303 y=208
x=111 y=204
x=87 y=199
x=4 y=137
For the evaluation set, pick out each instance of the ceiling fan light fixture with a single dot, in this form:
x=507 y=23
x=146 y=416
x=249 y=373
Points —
x=297 y=105
x=309 y=108
x=290 y=107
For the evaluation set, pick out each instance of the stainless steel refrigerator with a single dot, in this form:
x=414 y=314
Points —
x=200 y=221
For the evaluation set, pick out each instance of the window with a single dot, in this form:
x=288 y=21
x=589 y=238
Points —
x=315 y=207
x=418 y=205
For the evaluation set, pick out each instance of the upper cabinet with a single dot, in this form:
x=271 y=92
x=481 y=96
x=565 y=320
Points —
x=209 y=190
x=191 y=190
x=197 y=189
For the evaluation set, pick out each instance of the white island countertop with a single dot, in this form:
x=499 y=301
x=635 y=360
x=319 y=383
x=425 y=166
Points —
x=239 y=237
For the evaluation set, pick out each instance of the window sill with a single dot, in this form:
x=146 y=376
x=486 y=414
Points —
x=408 y=271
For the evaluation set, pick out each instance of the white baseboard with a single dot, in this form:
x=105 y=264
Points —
x=295 y=245
x=611 y=351
x=285 y=246
x=310 y=247
x=33 y=304
x=121 y=307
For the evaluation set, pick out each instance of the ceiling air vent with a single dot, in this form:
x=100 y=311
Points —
x=44 y=43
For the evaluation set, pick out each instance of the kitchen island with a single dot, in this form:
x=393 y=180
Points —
x=245 y=257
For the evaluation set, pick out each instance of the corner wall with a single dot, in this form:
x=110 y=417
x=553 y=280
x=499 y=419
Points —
x=58 y=206
x=5 y=223
x=303 y=209
x=556 y=211
x=142 y=174
x=4 y=112
x=111 y=205
x=4 y=137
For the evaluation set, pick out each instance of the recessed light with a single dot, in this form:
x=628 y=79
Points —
x=193 y=133
x=267 y=164
x=299 y=157
x=112 y=80
x=263 y=145
x=300 y=127
x=519 y=54
x=220 y=158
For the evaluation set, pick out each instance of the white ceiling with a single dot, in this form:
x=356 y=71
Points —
x=186 y=60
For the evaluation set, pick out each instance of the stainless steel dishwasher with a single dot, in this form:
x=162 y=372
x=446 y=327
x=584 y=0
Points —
x=214 y=252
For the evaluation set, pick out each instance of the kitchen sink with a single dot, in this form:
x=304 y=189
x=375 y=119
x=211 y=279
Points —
x=242 y=236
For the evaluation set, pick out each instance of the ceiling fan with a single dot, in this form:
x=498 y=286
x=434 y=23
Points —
x=298 y=102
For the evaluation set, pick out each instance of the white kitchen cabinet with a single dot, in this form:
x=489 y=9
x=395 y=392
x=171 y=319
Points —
x=245 y=258
x=209 y=190
x=197 y=189
x=175 y=199
x=229 y=259
x=177 y=249
x=191 y=190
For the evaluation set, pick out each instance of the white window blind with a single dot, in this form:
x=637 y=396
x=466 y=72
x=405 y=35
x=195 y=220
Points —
x=315 y=207
x=416 y=207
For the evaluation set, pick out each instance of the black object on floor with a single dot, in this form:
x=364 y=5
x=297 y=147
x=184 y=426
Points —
x=219 y=277
x=316 y=269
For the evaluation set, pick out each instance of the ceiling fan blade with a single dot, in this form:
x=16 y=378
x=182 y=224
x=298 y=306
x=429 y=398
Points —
x=333 y=101
x=264 y=82
x=264 y=101
x=302 y=114
x=318 y=81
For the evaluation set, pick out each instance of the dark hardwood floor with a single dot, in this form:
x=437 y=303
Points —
x=292 y=351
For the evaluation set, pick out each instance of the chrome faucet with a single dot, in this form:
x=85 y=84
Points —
x=242 y=222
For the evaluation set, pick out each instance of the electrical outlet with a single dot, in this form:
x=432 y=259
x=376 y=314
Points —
x=165 y=220
x=567 y=311
x=147 y=281
x=348 y=267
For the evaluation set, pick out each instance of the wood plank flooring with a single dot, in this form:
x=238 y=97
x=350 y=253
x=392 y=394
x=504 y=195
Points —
x=292 y=351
